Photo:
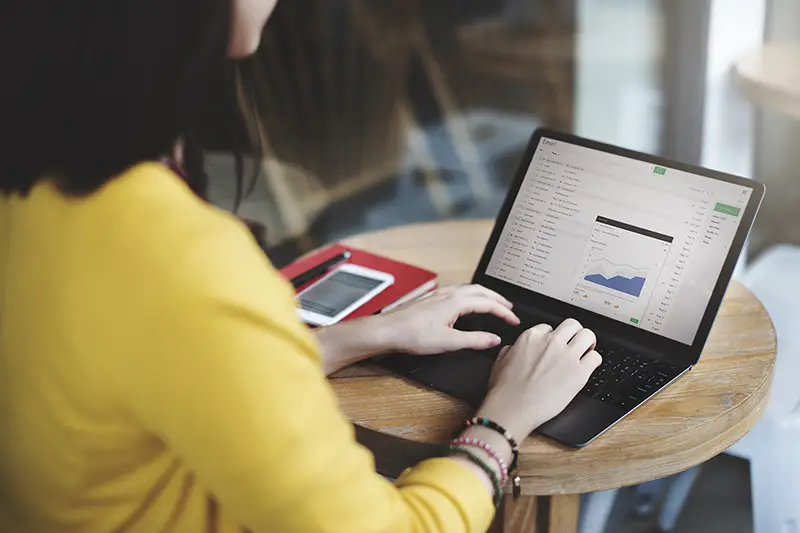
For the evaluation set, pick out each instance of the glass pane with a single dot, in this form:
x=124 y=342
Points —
x=618 y=90
x=385 y=112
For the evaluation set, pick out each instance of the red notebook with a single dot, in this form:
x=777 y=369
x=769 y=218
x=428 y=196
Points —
x=410 y=282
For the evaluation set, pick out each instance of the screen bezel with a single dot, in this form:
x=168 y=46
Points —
x=676 y=350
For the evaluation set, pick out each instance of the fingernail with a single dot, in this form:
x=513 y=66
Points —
x=496 y=340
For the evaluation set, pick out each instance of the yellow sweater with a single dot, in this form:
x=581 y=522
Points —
x=154 y=377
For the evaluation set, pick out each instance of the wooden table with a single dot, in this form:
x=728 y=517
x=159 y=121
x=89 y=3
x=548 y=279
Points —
x=697 y=418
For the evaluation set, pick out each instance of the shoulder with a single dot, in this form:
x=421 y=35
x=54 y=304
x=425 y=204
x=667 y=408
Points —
x=168 y=251
x=150 y=200
x=148 y=221
x=149 y=216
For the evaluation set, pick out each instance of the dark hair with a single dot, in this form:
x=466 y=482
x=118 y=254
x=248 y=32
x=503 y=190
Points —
x=92 y=87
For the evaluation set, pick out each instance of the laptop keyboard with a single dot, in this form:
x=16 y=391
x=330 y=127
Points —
x=625 y=379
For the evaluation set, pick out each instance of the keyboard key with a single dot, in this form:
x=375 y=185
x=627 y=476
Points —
x=627 y=402
x=605 y=397
x=610 y=356
x=649 y=388
x=626 y=378
x=659 y=381
x=641 y=377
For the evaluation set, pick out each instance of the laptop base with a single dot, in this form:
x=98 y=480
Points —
x=464 y=375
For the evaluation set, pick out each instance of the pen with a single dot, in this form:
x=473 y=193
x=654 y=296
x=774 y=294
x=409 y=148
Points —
x=319 y=270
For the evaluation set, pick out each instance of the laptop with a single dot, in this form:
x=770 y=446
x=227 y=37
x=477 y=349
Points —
x=637 y=248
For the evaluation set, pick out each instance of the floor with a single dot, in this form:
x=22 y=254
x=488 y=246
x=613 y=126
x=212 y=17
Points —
x=718 y=503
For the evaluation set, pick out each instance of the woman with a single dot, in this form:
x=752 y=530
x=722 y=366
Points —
x=154 y=376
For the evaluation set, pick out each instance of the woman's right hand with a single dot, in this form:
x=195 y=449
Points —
x=536 y=378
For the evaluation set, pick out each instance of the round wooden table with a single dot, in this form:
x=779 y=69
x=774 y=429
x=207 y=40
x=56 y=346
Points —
x=698 y=417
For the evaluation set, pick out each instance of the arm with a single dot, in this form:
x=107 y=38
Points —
x=422 y=327
x=349 y=342
x=231 y=381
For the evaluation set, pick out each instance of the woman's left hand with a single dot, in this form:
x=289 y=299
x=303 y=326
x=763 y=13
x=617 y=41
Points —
x=425 y=326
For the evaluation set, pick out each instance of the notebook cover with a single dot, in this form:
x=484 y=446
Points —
x=407 y=278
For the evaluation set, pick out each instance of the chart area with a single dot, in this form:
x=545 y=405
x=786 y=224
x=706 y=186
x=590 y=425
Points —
x=622 y=278
x=619 y=268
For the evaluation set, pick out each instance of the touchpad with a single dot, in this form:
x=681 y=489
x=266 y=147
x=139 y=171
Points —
x=463 y=374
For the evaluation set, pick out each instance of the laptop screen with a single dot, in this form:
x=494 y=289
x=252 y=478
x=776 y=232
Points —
x=636 y=242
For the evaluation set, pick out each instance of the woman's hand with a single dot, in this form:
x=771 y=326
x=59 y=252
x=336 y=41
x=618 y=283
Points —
x=421 y=327
x=536 y=378
x=425 y=326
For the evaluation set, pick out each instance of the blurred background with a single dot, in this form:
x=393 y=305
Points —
x=386 y=112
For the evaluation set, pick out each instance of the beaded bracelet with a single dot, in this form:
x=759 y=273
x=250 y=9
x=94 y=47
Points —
x=485 y=422
x=477 y=461
x=469 y=441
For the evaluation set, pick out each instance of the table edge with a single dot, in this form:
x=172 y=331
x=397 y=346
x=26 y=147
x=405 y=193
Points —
x=687 y=457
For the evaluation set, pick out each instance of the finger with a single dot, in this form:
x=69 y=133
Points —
x=503 y=351
x=480 y=290
x=481 y=305
x=475 y=340
x=566 y=330
x=497 y=365
x=582 y=342
x=591 y=361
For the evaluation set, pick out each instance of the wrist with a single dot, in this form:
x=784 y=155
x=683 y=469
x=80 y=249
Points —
x=490 y=466
x=494 y=440
x=353 y=341
x=518 y=423
x=485 y=479
x=381 y=335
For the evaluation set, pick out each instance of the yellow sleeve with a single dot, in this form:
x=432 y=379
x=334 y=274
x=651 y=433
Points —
x=231 y=380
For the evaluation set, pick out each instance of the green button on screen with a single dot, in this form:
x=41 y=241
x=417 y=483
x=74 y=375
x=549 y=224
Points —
x=635 y=320
x=659 y=170
x=727 y=209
